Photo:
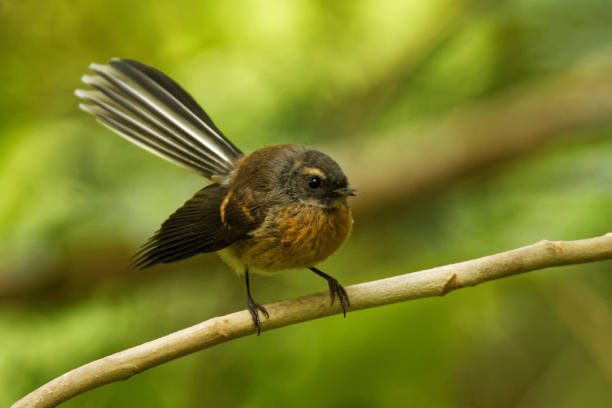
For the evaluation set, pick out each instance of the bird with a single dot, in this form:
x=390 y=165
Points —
x=281 y=207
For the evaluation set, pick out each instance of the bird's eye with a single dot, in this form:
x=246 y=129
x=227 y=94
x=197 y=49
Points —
x=314 y=182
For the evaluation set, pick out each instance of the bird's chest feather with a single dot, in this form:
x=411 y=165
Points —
x=295 y=237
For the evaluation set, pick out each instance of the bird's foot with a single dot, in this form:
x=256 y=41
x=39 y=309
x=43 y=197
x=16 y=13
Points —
x=336 y=289
x=254 y=309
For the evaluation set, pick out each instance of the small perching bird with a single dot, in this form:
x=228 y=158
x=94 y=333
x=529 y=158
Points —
x=278 y=208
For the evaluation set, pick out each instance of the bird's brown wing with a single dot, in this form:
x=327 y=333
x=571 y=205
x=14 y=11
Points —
x=211 y=220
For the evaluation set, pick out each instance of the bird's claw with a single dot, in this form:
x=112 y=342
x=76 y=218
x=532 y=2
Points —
x=254 y=309
x=336 y=289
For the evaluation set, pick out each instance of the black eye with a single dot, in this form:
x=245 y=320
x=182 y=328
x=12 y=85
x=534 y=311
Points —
x=314 y=182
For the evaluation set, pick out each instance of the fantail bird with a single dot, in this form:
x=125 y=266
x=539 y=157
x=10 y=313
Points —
x=280 y=207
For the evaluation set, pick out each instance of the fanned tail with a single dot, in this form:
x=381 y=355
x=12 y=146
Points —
x=149 y=109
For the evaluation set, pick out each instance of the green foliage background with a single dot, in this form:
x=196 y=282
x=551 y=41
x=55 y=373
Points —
x=76 y=201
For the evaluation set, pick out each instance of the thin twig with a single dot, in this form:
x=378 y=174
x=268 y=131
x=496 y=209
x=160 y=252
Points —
x=432 y=282
x=422 y=156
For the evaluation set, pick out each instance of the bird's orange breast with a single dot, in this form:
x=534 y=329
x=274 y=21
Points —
x=295 y=236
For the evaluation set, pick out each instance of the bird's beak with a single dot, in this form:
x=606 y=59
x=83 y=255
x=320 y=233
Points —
x=345 y=191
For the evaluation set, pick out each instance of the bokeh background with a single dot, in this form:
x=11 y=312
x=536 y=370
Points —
x=469 y=127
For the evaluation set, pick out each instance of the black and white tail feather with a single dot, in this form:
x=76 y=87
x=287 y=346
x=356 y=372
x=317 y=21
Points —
x=149 y=109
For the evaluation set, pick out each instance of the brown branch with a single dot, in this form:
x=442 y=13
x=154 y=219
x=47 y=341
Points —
x=395 y=165
x=432 y=282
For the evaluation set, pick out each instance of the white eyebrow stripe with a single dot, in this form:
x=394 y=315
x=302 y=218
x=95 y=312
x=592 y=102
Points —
x=314 y=171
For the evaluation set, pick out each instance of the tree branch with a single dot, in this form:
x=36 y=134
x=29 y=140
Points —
x=418 y=156
x=431 y=282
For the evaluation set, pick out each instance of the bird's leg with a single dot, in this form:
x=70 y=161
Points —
x=254 y=308
x=335 y=288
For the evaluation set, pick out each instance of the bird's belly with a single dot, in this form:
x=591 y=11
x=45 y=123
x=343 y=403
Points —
x=291 y=238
